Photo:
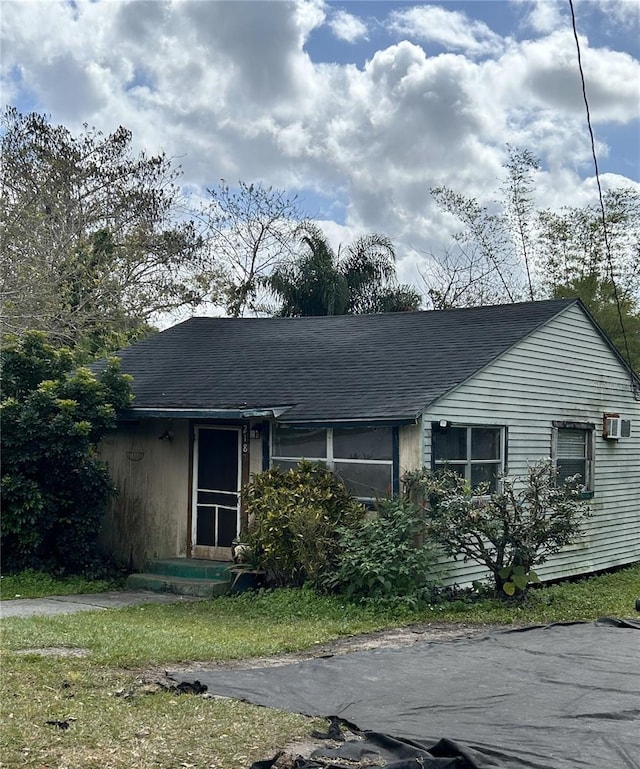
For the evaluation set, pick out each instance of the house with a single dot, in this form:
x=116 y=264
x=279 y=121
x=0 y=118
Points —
x=486 y=390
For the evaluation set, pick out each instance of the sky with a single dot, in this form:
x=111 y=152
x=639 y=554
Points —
x=359 y=108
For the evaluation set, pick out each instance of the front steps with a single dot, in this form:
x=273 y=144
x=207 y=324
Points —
x=184 y=576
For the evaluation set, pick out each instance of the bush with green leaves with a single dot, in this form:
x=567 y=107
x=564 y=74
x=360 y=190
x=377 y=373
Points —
x=54 y=488
x=509 y=532
x=295 y=516
x=385 y=555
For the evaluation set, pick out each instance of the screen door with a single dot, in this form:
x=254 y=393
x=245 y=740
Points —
x=216 y=493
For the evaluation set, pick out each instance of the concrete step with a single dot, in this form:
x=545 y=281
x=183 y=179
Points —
x=163 y=583
x=190 y=568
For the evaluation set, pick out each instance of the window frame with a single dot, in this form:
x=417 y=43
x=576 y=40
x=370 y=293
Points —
x=330 y=461
x=469 y=461
x=589 y=429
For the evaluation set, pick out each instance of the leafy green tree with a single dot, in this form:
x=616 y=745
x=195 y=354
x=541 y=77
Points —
x=575 y=259
x=361 y=278
x=94 y=243
x=618 y=314
x=53 y=486
x=572 y=244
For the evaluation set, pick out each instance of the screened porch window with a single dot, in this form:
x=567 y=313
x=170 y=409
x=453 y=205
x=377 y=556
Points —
x=475 y=453
x=362 y=457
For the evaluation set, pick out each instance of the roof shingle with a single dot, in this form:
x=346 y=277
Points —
x=347 y=367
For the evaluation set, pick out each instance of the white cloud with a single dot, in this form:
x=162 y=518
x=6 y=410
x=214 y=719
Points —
x=546 y=16
x=617 y=13
x=544 y=74
x=452 y=29
x=347 y=27
x=228 y=88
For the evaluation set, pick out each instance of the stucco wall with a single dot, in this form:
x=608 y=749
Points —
x=148 y=518
x=410 y=448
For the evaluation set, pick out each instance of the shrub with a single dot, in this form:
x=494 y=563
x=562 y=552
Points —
x=54 y=488
x=510 y=532
x=385 y=556
x=295 y=514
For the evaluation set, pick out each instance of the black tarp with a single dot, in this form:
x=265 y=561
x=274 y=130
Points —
x=562 y=696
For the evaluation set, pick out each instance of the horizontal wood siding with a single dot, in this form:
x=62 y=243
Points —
x=563 y=371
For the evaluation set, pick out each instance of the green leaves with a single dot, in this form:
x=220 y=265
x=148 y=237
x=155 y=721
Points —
x=511 y=532
x=516 y=578
x=94 y=235
x=361 y=278
x=385 y=556
x=54 y=489
x=295 y=517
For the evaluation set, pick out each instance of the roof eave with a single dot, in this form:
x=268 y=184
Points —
x=159 y=412
x=374 y=421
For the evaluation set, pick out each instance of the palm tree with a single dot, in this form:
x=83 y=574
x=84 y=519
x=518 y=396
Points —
x=359 y=278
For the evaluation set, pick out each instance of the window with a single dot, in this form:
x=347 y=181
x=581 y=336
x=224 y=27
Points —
x=362 y=456
x=572 y=452
x=475 y=453
x=311 y=444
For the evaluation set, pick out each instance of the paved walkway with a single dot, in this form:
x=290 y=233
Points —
x=69 y=604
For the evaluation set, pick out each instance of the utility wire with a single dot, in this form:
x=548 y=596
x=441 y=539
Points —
x=600 y=196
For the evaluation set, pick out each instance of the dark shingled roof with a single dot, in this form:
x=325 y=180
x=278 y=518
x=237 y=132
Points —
x=346 y=367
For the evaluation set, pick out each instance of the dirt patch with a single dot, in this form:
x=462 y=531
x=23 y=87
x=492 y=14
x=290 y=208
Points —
x=297 y=754
x=402 y=636
x=302 y=749
x=56 y=651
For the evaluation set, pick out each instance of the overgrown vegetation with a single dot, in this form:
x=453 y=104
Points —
x=295 y=518
x=386 y=556
x=509 y=532
x=39 y=584
x=54 y=488
x=308 y=530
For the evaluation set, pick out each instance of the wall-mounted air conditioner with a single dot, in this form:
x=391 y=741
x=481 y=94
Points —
x=611 y=426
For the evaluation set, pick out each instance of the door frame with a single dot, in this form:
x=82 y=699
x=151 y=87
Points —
x=206 y=551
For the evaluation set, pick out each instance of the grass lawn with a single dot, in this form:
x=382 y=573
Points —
x=164 y=731
x=36 y=584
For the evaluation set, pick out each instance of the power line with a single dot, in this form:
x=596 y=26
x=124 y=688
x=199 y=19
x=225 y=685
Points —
x=600 y=196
